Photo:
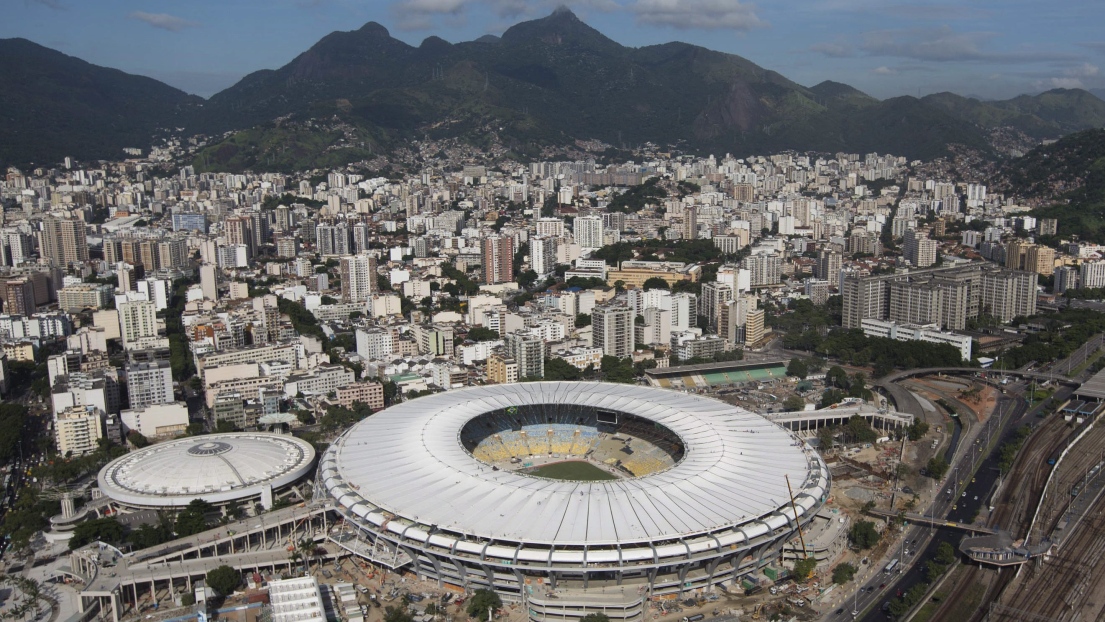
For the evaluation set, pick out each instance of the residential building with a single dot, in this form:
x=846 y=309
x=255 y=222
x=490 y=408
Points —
x=358 y=278
x=588 y=231
x=828 y=265
x=1092 y=274
x=542 y=254
x=528 y=351
x=63 y=241
x=78 y=430
x=370 y=394
x=149 y=383
x=85 y=296
x=497 y=253
x=137 y=319
x=612 y=330
x=501 y=369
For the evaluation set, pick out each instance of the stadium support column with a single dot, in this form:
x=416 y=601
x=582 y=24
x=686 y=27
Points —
x=683 y=577
x=462 y=571
x=437 y=569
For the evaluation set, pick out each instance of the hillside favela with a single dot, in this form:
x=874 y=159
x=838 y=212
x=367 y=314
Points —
x=504 y=310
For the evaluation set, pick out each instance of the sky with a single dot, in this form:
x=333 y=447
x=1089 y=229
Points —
x=992 y=49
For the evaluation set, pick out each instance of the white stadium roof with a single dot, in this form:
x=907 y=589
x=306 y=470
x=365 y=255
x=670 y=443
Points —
x=408 y=461
x=217 y=468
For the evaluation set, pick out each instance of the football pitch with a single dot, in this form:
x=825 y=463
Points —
x=572 y=471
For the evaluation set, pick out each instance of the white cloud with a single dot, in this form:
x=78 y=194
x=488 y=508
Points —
x=944 y=44
x=834 y=50
x=704 y=14
x=1085 y=70
x=1061 y=83
x=884 y=71
x=163 y=21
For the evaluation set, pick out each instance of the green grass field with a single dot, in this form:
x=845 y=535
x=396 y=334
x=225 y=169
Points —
x=572 y=471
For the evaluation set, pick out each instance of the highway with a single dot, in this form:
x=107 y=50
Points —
x=961 y=507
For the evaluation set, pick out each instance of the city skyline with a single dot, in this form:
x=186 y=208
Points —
x=976 y=48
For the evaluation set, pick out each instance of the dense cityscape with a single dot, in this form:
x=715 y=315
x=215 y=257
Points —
x=313 y=370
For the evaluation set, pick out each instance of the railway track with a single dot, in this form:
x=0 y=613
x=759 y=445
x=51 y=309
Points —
x=1060 y=587
x=1037 y=589
x=1016 y=503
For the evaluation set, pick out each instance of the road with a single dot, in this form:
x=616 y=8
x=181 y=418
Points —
x=960 y=507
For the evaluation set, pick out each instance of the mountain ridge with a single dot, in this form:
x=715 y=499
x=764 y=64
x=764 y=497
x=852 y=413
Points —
x=548 y=82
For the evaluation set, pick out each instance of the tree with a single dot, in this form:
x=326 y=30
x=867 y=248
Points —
x=103 y=529
x=224 y=580
x=843 y=573
x=794 y=403
x=654 y=282
x=937 y=467
x=945 y=554
x=135 y=438
x=837 y=377
x=825 y=437
x=797 y=368
x=304 y=416
x=917 y=430
x=193 y=518
x=615 y=369
x=188 y=599
x=863 y=535
x=559 y=369
x=480 y=333
x=595 y=617
x=583 y=320
x=859 y=430
x=803 y=568
x=397 y=614
x=482 y=602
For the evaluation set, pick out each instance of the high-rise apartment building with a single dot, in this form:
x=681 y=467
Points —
x=1093 y=274
x=1040 y=259
x=918 y=249
x=612 y=330
x=239 y=230
x=588 y=231
x=63 y=241
x=498 y=259
x=19 y=297
x=828 y=265
x=137 y=319
x=948 y=296
x=542 y=255
x=764 y=269
x=528 y=351
x=690 y=222
x=358 y=278
x=149 y=383
x=713 y=297
x=1066 y=277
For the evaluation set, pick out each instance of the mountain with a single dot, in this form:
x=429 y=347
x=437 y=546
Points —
x=53 y=105
x=545 y=82
x=1047 y=115
x=1067 y=178
x=556 y=79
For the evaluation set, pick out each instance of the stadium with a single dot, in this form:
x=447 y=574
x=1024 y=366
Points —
x=219 y=468
x=571 y=497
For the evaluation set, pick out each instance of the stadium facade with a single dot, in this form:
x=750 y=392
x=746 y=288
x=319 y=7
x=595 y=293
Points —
x=438 y=486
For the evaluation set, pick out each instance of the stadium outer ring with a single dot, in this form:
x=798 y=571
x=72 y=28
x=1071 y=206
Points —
x=415 y=499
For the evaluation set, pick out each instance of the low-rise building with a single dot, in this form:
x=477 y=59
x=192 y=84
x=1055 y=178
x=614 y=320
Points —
x=370 y=394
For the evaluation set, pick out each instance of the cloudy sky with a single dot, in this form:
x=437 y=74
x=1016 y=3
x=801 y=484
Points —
x=984 y=48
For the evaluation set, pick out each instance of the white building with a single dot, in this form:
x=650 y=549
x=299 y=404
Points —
x=930 y=333
x=78 y=430
x=137 y=319
x=156 y=420
x=588 y=231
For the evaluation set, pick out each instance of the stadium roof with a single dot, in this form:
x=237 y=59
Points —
x=217 y=468
x=407 y=462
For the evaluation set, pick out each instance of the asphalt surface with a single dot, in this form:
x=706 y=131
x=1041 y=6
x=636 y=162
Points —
x=961 y=506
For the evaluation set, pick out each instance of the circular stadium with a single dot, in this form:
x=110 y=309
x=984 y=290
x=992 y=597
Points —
x=572 y=497
x=218 y=468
